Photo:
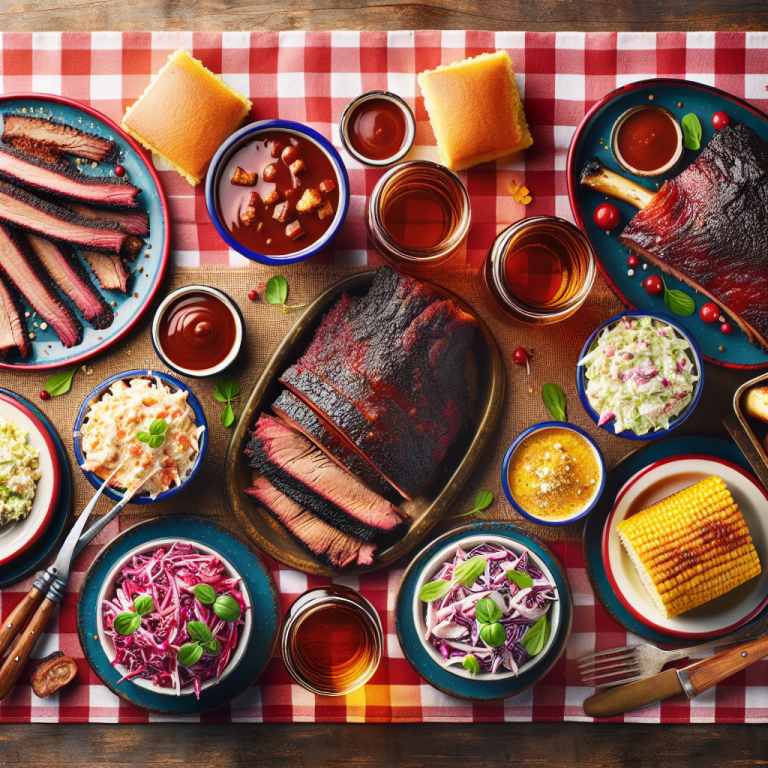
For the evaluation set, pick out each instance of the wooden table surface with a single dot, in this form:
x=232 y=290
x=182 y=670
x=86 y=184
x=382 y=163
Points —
x=554 y=745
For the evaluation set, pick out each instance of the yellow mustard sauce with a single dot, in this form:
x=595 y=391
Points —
x=553 y=473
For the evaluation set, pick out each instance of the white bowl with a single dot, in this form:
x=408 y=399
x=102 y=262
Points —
x=448 y=553
x=108 y=590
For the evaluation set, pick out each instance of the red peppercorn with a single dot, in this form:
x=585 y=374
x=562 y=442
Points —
x=45 y=395
x=520 y=356
x=633 y=261
x=119 y=170
x=710 y=312
x=720 y=120
x=252 y=295
x=654 y=285
x=726 y=328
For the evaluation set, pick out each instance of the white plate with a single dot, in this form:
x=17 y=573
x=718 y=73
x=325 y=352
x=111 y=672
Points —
x=656 y=482
x=18 y=536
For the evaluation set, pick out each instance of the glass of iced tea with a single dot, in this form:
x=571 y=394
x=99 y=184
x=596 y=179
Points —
x=332 y=640
x=538 y=271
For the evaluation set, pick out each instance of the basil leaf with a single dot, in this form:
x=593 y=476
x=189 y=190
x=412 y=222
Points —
x=205 y=593
x=470 y=662
x=227 y=416
x=468 y=572
x=126 y=623
x=155 y=441
x=536 y=637
x=227 y=389
x=143 y=604
x=276 y=291
x=493 y=634
x=189 y=654
x=434 y=590
x=158 y=427
x=680 y=303
x=522 y=579
x=554 y=399
x=487 y=611
x=691 y=126
x=212 y=646
x=226 y=608
x=59 y=383
x=198 y=631
x=483 y=500
x=143 y=436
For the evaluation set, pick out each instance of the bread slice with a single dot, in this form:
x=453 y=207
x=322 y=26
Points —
x=185 y=115
x=756 y=403
x=475 y=110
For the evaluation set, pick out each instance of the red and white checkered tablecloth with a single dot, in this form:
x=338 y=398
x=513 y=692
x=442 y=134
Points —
x=310 y=76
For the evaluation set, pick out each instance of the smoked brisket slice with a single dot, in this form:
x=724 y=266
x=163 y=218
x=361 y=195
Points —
x=13 y=328
x=71 y=278
x=302 y=418
x=325 y=542
x=64 y=137
x=41 y=217
x=132 y=222
x=709 y=227
x=43 y=178
x=108 y=269
x=22 y=268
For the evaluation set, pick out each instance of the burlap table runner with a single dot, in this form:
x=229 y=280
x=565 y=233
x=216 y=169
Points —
x=555 y=348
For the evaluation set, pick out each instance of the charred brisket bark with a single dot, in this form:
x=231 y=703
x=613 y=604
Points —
x=51 y=673
x=13 y=329
x=132 y=222
x=64 y=137
x=22 y=268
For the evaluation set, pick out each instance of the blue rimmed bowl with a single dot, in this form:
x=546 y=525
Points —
x=246 y=135
x=698 y=364
x=174 y=384
x=508 y=458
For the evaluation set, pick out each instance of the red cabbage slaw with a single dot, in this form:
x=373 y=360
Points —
x=451 y=623
x=169 y=577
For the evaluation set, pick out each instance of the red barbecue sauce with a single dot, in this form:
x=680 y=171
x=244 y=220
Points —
x=377 y=129
x=197 y=331
x=647 y=139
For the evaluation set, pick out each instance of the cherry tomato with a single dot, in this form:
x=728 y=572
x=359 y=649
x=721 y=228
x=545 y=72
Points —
x=720 y=120
x=633 y=261
x=710 y=312
x=45 y=395
x=119 y=170
x=520 y=356
x=607 y=216
x=252 y=295
x=726 y=328
x=654 y=286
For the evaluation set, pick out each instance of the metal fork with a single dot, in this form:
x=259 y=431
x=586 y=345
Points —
x=617 y=666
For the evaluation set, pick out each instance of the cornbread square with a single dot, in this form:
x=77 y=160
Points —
x=475 y=110
x=185 y=115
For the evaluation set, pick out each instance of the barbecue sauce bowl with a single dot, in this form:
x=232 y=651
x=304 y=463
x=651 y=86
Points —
x=198 y=331
x=277 y=192
x=647 y=140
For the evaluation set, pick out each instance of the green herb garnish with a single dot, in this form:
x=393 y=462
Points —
x=202 y=640
x=434 y=590
x=126 y=623
x=482 y=501
x=227 y=608
x=691 y=126
x=276 y=292
x=189 y=654
x=156 y=435
x=487 y=611
x=468 y=572
x=470 y=663
x=488 y=614
x=522 y=579
x=227 y=390
x=59 y=383
x=536 y=637
x=680 y=303
x=554 y=400
x=143 y=604
x=205 y=594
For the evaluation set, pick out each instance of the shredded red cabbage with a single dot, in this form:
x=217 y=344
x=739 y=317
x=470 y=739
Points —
x=170 y=577
x=451 y=624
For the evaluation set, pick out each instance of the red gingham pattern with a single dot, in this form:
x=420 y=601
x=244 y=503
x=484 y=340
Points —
x=310 y=76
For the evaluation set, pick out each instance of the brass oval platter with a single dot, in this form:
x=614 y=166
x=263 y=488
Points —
x=486 y=381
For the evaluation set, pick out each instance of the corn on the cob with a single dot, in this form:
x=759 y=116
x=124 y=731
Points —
x=691 y=547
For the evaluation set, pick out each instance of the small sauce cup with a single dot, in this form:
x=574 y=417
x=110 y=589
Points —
x=386 y=113
x=646 y=146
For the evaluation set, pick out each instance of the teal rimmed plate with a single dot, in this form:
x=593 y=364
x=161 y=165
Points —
x=264 y=604
x=703 y=101
x=129 y=307
x=592 y=543
x=425 y=666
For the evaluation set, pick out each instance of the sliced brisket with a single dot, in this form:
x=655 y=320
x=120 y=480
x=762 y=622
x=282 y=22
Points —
x=132 y=222
x=44 y=178
x=302 y=418
x=22 y=268
x=72 y=280
x=13 y=329
x=108 y=269
x=64 y=137
x=41 y=217
x=322 y=540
